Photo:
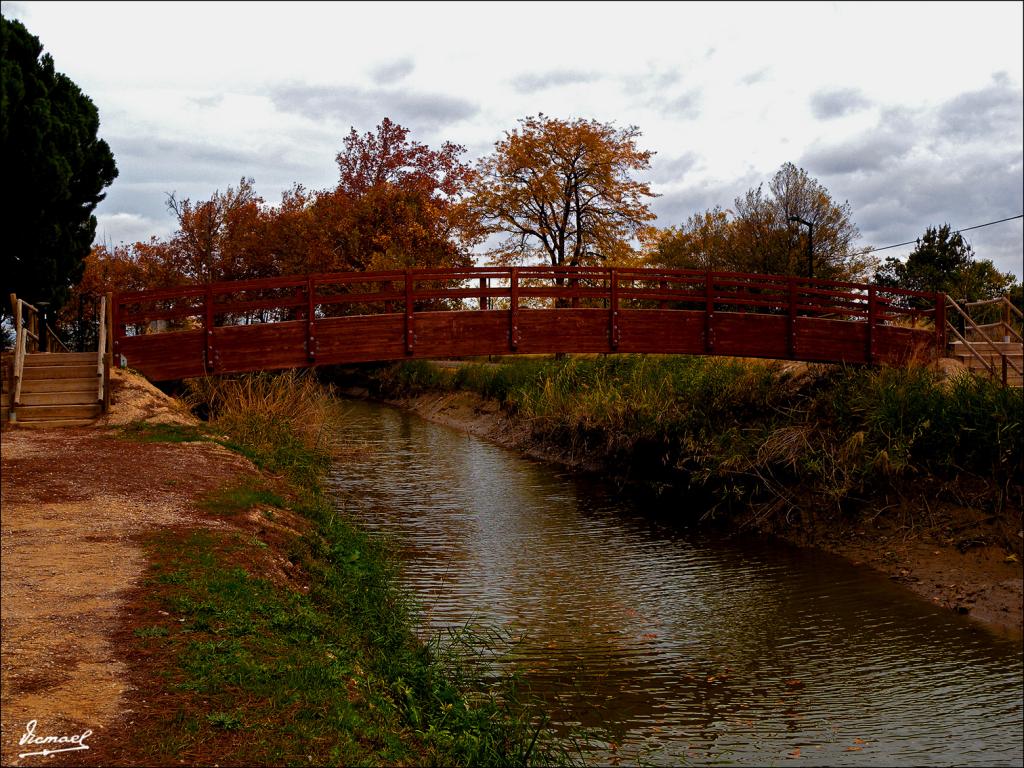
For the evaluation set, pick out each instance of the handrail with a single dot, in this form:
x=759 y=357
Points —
x=1008 y=329
x=51 y=337
x=997 y=300
x=767 y=292
x=101 y=349
x=1006 y=361
x=1004 y=323
x=22 y=334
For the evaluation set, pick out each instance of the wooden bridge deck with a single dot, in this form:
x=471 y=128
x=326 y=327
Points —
x=354 y=317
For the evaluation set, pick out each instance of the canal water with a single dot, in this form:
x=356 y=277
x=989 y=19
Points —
x=678 y=647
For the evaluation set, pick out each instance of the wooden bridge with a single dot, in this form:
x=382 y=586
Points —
x=352 y=317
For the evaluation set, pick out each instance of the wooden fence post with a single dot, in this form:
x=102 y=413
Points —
x=310 y=314
x=513 y=315
x=108 y=355
x=114 y=313
x=709 y=314
x=208 y=329
x=872 y=322
x=410 y=330
x=483 y=295
x=613 y=318
x=791 y=346
x=940 y=324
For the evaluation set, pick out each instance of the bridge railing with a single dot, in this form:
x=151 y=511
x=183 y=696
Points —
x=308 y=299
x=265 y=300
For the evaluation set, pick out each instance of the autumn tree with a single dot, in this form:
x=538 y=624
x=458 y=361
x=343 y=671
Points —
x=125 y=267
x=223 y=238
x=562 y=192
x=943 y=261
x=704 y=241
x=398 y=203
x=758 y=235
x=55 y=170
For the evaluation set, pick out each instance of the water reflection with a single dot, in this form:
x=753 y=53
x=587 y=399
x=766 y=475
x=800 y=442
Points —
x=684 y=647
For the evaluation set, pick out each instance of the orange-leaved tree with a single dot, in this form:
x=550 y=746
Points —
x=398 y=203
x=562 y=192
x=223 y=238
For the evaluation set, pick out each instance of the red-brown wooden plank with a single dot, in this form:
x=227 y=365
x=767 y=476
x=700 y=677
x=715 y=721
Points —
x=360 y=339
x=836 y=341
x=750 y=335
x=164 y=356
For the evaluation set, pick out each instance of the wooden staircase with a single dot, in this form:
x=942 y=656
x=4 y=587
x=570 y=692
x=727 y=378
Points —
x=58 y=389
x=991 y=353
x=989 y=349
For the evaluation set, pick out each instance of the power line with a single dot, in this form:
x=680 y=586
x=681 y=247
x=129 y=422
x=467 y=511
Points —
x=965 y=229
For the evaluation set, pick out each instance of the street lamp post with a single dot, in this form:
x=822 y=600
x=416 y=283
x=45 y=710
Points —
x=810 y=243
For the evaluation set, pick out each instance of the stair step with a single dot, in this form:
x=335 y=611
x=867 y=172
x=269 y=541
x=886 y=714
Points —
x=965 y=355
x=976 y=365
x=87 y=397
x=76 y=371
x=51 y=412
x=54 y=423
x=60 y=358
x=84 y=384
x=1012 y=347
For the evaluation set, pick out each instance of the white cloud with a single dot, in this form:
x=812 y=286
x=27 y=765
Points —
x=194 y=96
x=112 y=229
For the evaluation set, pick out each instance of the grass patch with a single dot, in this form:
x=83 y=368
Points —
x=233 y=499
x=266 y=675
x=146 y=432
x=325 y=669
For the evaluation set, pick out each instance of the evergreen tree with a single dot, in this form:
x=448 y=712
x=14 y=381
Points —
x=54 y=167
x=943 y=261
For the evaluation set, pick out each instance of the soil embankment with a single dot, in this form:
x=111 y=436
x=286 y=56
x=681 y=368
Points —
x=982 y=580
x=168 y=601
x=76 y=504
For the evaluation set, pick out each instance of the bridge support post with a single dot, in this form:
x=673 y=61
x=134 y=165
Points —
x=872 y=322
x=114 y=311
x=210 y=363
x=791 y=346
x=483 y=294
x=310 y=314
x=410 y=328
x=613 y=318
x=513 y=311
x=709 y=314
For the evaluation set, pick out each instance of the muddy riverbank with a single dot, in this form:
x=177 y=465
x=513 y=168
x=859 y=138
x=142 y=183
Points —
x=983 y=580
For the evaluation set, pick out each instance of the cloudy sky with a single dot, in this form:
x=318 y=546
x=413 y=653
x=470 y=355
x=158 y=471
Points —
x=912 y=112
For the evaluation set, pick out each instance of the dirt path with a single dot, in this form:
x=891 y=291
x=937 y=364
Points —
x=75 y=505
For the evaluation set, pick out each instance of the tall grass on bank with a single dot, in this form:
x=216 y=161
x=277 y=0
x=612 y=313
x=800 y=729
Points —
x=341 y=658
x=279 y=420
x=760 y=434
